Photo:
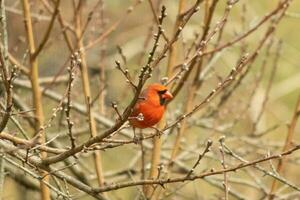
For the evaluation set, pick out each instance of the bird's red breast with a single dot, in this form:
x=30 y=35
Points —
x=150 y=108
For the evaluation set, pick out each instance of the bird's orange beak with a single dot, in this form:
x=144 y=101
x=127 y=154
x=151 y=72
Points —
x=167 y=95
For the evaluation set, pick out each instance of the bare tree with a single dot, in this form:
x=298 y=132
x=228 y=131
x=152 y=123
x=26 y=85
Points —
x=72 y=74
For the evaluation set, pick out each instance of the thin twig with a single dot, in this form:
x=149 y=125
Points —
x=287 y=145
x=200 y=176
x=225 y=183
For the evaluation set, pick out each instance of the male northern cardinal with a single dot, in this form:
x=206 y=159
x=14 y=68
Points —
x=150 y=108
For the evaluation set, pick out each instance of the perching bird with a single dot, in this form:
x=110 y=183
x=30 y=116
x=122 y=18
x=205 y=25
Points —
x=150 y=108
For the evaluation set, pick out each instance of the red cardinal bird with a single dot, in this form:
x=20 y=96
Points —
x=150 y=107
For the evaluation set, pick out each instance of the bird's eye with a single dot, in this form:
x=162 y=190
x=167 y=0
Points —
x=162 y=91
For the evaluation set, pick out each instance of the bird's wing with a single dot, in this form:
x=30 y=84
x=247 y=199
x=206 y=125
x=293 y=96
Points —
x=143 y=96
x=140 y=101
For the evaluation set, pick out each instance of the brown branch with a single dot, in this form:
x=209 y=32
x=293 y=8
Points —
x=112 y=28
x=22 y=178
x=7 y=78
x=189 y=65
x=37 y=100
x=15 y=62
x=206 y=150
x=36 y=161
x=64 y=26
x=28 y=144
x=236 y=70
x=174 y=48
x=225 y=182
x=144 y=75
x=156 y=20
x=185 y=19
x=221 y=85
x=206 y=36
x=265 y=172
x=48 y=31
x=126 y=74
x=102 y=65
x=288 y=143
x=282 y=5
x=268 y=88
x=71 y=69
x=200 y=176
x=86 y=89
x=155 y=161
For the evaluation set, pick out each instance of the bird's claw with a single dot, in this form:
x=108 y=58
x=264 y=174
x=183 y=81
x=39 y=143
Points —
x=136 y=139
